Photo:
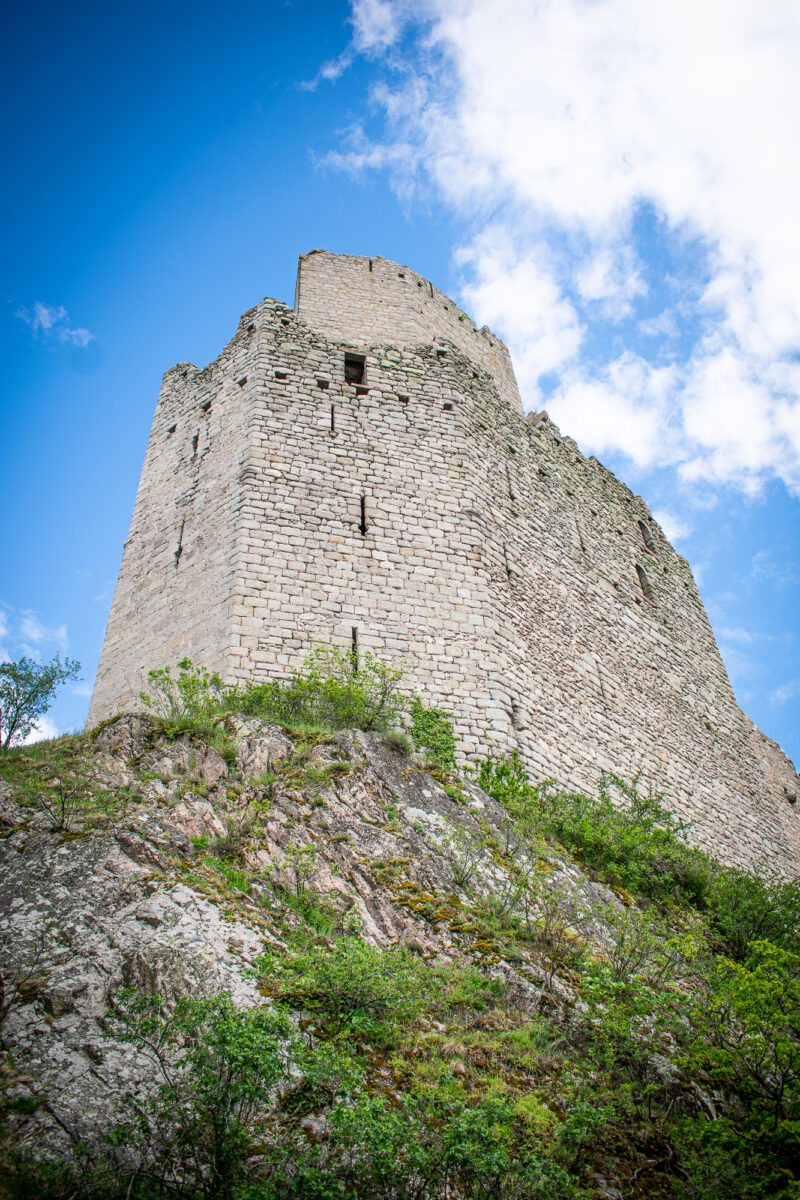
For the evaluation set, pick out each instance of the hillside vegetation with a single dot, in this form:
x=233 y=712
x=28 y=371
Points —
x=270 y=943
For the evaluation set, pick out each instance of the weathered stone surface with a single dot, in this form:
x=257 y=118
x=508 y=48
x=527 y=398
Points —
x=133 y=902
x=530 y=591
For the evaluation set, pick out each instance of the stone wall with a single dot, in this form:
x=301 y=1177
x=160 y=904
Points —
x=371 y=301
x=530 y=591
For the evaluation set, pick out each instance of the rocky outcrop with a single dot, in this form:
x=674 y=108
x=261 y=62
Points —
x=176 y=870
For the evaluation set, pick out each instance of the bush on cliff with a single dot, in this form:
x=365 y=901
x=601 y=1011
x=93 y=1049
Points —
x=334 y=691
x=629 y=839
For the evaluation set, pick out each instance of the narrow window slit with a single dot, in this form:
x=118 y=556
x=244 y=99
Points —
x=370 y=266
x=647 y=537
x=644 y=582
x=179 y=547
x=363 y=523
x=333 y=418
x=354 y=648
x=511 y=492
x=195 y=440
x=509 y=572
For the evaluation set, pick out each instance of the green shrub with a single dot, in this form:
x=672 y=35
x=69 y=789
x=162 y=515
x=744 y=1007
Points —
x=398 y=743
x=334 y=691
x=744 y=908
x=353 y=983
x=194 y=702
x=27 y=690
x=431 y=1147
x=432 y=732
x=216 y=1069
x=747 y=1041
x=629 y=839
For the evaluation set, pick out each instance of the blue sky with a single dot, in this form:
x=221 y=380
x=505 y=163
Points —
x=594 y=181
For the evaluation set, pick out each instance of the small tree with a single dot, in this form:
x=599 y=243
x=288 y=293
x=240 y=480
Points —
x=27 y=689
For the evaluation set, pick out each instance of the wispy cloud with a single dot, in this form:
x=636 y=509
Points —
x=51 y=323
x=31 y=629
x=376 y=25
x=43 y=729
x=674 y=527
x=783 y=694
x=744 y=637
x=550 y=129
x=766 y=567
x=24 y=633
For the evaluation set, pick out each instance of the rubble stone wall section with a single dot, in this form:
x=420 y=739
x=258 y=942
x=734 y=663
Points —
x=419 y=513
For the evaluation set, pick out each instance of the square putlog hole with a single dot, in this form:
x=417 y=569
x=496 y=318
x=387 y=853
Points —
x=354 y=365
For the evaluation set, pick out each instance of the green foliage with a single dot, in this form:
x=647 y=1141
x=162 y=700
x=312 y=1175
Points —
x=432 y=1148
x=398 y=743
x=56 y=778
x=334 y=691
x=216 y=1069
x=351 y=985
x=194 y=702
x=629 y=839
x=749 y=1016
x=27 y=690
x=432 y=732
x=745 y=908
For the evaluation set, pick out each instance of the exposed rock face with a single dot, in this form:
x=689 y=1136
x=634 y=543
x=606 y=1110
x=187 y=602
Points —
x=131 y=897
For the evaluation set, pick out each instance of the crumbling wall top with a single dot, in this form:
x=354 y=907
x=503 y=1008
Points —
x=372 y=301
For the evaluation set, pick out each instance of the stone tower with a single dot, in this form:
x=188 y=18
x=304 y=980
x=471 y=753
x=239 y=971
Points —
x=359 y=470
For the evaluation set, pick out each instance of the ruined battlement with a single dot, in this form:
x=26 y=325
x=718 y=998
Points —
x=372 y=301
x=358 y=470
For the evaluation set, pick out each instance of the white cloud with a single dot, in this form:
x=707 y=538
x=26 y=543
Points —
x=44 y=728
x=51 y=323
x=664 y=325
x=625 y=406
x=745 y=637
x=24 y=633
x=783 y=694
x=83 y=689
x=674 y=528
x=767 y=568
x=32 y=630
x=519 y=293
x=550 y=125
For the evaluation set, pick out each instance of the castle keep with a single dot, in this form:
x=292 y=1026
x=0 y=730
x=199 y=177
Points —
x=359 y=470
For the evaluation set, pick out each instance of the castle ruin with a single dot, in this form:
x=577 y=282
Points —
x=359 y=470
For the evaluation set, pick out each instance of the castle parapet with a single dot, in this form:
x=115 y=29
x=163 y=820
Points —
x=371 y=301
